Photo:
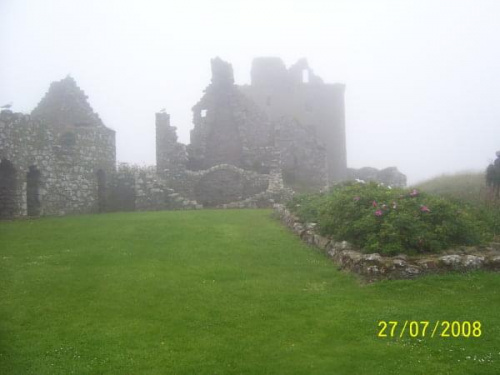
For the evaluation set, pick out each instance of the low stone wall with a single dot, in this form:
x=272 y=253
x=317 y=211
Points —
x=136 y=188
x=376 y=267
x=276 y=192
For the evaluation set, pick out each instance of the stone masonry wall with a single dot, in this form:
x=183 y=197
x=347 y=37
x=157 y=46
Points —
x=171 y=156
x=297 y=93
x=67 y=162
x=218 y=185
x=228 y=127
x=376 y=267
x=135 y=188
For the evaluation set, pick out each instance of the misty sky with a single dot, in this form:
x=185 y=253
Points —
x=422 y=77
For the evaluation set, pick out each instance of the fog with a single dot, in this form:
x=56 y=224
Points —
x=422 y=77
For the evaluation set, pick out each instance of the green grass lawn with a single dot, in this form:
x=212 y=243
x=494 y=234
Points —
x=218 y=292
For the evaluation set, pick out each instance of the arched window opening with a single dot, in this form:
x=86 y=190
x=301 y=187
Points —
x=8 y=185
x=33 y=191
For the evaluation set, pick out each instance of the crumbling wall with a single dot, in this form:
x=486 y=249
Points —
x=171 y=156
x=231 y=129
x=297 y=93
x=228 y=128
x=226 y=183
x=59 y=166
x=67 y=170
x=65 y=106
x=303 y=156
x=136 y=188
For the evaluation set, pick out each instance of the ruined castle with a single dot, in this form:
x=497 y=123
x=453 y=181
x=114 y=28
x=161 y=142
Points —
x=251 y=146
x=57 y=160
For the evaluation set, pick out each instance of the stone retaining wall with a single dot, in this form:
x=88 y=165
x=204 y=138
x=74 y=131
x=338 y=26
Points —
x=138 y=188
x=376 y=267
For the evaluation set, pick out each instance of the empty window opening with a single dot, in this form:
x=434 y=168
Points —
x=305 y=76
x=101 y=191
x=8 y=187
x=268 y=100
x=203 y=113
x=33 y=191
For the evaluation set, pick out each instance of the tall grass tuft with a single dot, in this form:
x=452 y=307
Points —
x=468 y=188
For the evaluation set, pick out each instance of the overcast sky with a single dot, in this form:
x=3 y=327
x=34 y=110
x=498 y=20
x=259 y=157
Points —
x=422 y=77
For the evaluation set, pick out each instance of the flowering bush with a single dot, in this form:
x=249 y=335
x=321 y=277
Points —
x=379 y=219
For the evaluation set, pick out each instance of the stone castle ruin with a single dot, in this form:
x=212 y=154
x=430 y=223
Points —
x=57 y=160
x=251 y=146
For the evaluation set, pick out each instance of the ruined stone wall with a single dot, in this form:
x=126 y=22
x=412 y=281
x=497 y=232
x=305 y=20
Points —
x=62 y=156
x=171 y=156
x=218 y=185
x=297 y=93
x=235 y=141
x=228 y=127
x=302 y=155
x=65 y=106
x=67 y=164
x=137 y=188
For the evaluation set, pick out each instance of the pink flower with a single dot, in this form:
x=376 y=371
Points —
x=374 y=204
x=424 y=209
x=414 y=193
x=378 y=213
x=356 y=199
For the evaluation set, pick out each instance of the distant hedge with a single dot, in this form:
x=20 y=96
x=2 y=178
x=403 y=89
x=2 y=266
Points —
x=376 y=218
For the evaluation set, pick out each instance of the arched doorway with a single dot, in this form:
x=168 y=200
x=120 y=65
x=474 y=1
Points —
x=220 y=186
x=101 y=191
x=33 y=191
x=8 y=187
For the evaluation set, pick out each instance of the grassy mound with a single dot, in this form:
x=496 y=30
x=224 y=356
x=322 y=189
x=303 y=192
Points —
x=467 y=188
x=389 y=221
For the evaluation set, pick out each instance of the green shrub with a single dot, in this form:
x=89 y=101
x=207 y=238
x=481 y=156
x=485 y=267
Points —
x=306 y=206
x=380 y=219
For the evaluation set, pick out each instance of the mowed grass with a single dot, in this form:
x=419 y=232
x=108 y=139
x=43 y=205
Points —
x=218 y=292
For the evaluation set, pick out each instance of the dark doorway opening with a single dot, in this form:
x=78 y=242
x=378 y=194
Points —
x=101 y=191
x=8 y=193
x=33 y=191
